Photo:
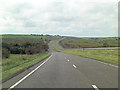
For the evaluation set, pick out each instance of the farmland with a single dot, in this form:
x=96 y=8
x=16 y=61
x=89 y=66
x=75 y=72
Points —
x=22 y=36
x=73 y=42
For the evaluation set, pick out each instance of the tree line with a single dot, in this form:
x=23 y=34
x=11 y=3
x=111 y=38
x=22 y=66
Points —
x=22 y=46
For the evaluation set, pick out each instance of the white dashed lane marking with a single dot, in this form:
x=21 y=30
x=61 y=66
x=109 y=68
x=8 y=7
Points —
x=74 y=66
x=95 y=87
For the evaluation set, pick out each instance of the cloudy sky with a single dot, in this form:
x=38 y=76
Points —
x=63 y=17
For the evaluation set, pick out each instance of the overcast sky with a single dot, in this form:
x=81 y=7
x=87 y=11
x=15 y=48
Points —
x=62 y=17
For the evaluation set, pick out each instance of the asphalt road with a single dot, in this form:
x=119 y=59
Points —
x=57 y=44
x=68 y=71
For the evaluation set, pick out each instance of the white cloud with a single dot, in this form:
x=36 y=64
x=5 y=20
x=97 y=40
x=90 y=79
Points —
x=76 y=17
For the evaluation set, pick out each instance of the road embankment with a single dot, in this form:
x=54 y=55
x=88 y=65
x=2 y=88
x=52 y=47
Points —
x=18 y=63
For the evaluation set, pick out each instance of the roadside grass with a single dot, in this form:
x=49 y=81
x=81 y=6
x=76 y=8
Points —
x=105 y=55
x=17 y=63
x=55 y=48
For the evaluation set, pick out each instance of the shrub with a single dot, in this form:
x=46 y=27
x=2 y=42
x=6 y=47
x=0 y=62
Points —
x=27 y=44
x=6 y=45
x=5 y=53
x=24 y=45
x=30 y=50
x=14 y=50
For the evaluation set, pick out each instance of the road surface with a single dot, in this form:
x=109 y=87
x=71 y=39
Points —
x=68 y=71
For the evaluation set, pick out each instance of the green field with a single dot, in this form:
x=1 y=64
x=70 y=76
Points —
x=21 y=36
x=18 y=62
x=15 y=36
x=105 y=55
x=74 y=42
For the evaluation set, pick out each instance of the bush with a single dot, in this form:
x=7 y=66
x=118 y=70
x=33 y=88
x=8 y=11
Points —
x=30 y=50
x=27 y=44
x=14 y=50
x=22 y=50
x=24 y=45
x=6 y=45
x=5 y=53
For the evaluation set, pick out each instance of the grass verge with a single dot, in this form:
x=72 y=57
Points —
x=55 y=48
x=105 y=55
x=17 y=63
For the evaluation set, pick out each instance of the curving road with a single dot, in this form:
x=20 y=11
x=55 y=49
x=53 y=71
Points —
x=67 y=71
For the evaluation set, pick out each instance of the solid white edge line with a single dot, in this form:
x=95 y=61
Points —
x=95 y=87
x=113 y=65
x=74 y=66
x=29 y=74
x=107 y=63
